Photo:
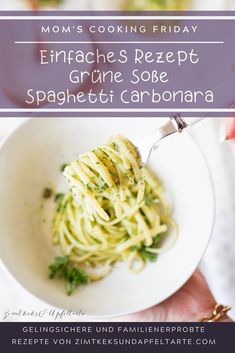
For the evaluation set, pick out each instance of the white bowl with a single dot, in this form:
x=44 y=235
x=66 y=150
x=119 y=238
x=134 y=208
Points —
x=30 y=160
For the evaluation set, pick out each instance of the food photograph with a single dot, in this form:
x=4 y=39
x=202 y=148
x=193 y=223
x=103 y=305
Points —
x=107 y=218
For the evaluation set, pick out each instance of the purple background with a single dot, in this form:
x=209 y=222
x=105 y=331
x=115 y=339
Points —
x=20 y=68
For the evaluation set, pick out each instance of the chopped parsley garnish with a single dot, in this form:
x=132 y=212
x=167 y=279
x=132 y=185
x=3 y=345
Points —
x=61 y=206
x=134 y=248
x=88 y=187
x=148 y=201
x=144 y=253
x=47 y=193
x=102 y=186
x=49 y=2
x=157 y=240
x=63 y=166
x=59 y=196
x=71 y=276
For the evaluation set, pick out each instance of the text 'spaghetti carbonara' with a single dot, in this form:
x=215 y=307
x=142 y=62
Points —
x=115 y=211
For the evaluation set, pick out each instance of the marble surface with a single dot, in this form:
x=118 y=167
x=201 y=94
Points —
x=218 y=263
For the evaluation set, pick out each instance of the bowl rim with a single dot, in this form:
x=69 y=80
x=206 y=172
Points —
x=174 y=289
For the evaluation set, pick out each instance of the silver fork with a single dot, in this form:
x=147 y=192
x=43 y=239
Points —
x=174 y=124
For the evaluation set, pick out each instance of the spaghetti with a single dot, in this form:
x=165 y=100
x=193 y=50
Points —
x=115 y=211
